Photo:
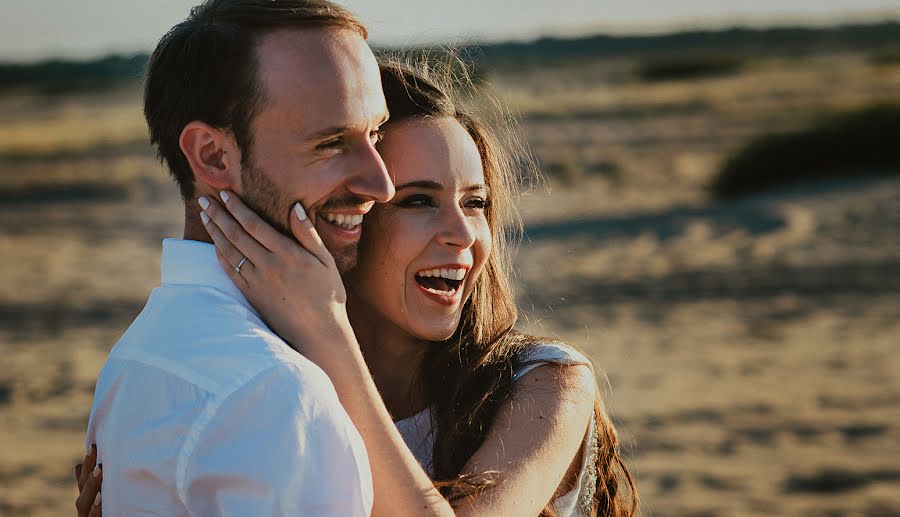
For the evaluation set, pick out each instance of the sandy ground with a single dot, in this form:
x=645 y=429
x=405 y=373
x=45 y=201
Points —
x=749 y=347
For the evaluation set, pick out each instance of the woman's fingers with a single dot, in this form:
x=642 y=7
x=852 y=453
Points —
x=252 y=223
x=232 y=231
x=90 y=460
x=308 y=237
x=97 y=508
x=235 y=263
x=236 y=276
x=89 y=492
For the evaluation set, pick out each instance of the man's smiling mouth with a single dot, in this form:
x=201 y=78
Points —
x=345 y=221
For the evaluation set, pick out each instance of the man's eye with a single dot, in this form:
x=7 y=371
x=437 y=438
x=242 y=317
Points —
x=330 y=144
x=415 y=201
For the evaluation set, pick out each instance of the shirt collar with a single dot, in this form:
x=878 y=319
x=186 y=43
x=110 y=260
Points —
x=186 y=262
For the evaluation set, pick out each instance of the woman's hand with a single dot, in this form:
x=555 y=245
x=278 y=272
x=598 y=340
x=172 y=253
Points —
x=295 y=287
x=89 y=477
x=298 y=290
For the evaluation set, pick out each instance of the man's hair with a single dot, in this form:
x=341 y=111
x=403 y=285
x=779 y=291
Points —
x=205 y=69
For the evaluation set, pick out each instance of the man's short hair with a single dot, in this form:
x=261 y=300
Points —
x=205 y=69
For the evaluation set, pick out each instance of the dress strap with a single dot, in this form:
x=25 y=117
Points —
x=547 y=353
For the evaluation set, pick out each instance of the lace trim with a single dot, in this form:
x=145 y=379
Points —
x=589 y=488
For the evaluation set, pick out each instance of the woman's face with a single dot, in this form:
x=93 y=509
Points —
x=421 y=252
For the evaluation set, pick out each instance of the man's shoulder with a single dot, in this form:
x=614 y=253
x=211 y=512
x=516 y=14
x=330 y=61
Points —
x=209 y=340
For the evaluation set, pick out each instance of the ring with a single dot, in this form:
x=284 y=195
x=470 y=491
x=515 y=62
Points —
x=241 y=263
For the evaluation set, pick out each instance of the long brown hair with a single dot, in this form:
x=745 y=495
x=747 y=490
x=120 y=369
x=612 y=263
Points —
x=469 y=377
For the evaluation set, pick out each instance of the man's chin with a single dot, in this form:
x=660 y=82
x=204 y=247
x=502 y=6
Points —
x=345 y=256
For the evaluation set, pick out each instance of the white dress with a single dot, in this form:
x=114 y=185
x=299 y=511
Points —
x=418 y=430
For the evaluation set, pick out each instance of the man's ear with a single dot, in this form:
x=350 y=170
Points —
x=212 y=154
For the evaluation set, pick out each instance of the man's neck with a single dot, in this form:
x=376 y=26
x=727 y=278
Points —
x=193 y=226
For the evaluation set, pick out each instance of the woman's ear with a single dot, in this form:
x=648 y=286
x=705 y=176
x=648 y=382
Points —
x=213 y=156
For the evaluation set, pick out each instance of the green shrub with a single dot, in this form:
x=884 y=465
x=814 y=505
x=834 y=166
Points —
x=566 y=169
x=688 y=67
x=857 y=143
x=60 y=76
x=886 y=57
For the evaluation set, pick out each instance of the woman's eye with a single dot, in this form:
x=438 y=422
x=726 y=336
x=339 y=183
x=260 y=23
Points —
x=477 y=203
x=417 y=200
x=376 y=136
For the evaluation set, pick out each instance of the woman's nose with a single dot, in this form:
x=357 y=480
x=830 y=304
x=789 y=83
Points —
x=457 y=230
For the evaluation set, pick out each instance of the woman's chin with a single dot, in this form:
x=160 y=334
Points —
x=436 y=331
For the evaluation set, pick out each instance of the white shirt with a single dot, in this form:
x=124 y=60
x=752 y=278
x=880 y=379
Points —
x=200 y=409
x=418 y=430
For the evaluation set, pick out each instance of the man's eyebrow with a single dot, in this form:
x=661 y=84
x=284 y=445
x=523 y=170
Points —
x=328 y=132
x=339 y=130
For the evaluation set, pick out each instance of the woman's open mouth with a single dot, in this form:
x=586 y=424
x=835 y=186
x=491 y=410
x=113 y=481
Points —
x=442 y=283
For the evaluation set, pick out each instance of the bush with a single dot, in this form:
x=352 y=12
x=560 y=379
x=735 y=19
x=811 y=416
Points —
x=688 y=67
x=859 y=143
x=885 y=57
x=565 y=169
x=59 y=76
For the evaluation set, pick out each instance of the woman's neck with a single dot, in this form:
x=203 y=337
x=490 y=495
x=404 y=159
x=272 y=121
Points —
x=394 y=357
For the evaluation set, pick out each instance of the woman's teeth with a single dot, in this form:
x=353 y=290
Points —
x=344 y=221
x=441 y=293
x=441 y=281
x=449 y=274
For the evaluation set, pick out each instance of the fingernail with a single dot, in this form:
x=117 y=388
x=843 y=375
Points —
x=96 y=471
x=224 y=195
x=90 y=450
x=204 y=217
x=204 y=203
x=301 y=213
x=98 y=499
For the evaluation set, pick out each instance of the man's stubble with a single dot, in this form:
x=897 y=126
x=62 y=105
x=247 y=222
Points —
x=264 y=198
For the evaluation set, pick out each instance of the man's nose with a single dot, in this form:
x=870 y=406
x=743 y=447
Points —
x=370 y=177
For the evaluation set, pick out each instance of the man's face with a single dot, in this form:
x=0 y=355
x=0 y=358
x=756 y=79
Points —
x=314 y=135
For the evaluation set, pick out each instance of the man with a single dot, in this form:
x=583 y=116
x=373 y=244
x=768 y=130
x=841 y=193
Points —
x=200 y=408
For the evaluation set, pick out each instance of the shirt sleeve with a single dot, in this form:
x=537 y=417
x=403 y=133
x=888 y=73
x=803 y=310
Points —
x=279 y=445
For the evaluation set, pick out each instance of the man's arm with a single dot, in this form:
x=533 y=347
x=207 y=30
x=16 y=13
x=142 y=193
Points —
x=279 y=445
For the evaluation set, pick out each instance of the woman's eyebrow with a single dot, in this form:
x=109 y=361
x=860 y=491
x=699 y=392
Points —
x=426 y=184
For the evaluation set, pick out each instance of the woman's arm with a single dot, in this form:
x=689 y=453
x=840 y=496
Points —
x=535 y=441
x=298 y=291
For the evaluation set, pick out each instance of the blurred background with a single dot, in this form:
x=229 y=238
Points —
x=719 y=229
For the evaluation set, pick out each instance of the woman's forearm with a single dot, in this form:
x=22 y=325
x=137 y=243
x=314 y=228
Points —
x=401 y=485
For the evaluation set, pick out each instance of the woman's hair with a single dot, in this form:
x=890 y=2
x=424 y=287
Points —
x=468 y=377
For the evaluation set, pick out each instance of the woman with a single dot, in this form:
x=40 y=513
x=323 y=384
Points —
x=504 y=423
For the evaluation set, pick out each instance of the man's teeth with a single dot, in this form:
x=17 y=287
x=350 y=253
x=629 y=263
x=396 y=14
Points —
x=449 y=274
x=344 y=221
